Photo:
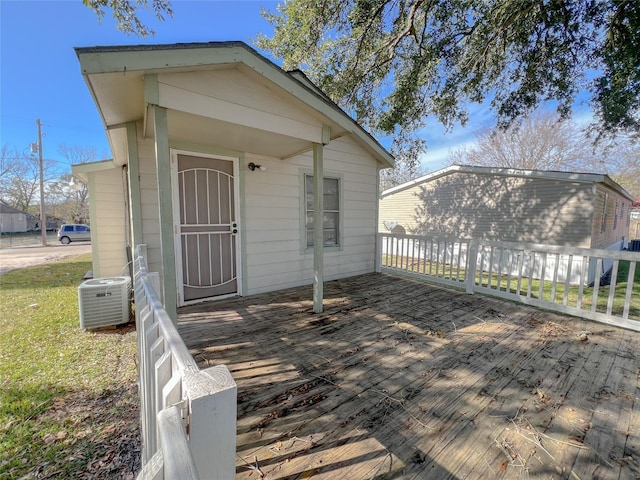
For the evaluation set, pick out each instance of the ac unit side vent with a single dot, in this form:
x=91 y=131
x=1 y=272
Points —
x=104 y=302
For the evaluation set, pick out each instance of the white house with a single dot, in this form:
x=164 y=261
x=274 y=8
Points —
x=217 y=155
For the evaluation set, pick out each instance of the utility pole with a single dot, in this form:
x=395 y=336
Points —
x=43 y=217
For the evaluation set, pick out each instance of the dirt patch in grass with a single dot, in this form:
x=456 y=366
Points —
x=100 y=433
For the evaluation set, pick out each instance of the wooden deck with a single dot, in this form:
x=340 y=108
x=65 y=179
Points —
x=400 y=379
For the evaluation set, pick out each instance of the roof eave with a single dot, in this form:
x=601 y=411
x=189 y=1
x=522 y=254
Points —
x=128 y=59
x=554 y=175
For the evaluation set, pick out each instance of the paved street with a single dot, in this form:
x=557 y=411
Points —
x=18 y=257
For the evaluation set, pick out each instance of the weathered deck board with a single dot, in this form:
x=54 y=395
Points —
x=401 y=379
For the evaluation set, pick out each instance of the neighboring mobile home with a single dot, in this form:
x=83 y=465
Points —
x=530 y=206
x=217 y=153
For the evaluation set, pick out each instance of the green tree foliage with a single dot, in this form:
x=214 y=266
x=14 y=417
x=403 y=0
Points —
x=394 y=63
x=128 y=13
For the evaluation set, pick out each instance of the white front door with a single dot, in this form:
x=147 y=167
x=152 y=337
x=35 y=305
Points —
x=206 y=227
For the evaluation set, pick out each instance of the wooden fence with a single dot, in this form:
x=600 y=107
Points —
x=596 y=284
x=188 y=415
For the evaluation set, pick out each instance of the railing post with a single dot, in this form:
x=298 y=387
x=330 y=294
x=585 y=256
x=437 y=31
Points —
x=378 y=266
x=212 y=396
x=472 y=262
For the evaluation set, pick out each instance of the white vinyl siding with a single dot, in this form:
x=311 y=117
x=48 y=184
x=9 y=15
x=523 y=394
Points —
x=272 y=221
x=270 y=214
x=149 y=201
x=108 y=226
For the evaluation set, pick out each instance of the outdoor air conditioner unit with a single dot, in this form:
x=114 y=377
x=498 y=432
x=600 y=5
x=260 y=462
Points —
x=104 y=302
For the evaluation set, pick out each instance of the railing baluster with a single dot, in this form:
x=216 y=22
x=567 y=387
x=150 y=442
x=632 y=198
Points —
x=554 y=282
x=431 y=257
x=163 y=376
x=543 y=268
x=596 y=285
x=627 y=298
x=500 y=266
x=583 y=276
x=567 y=281
x=458 y=261
x=481 y=272
x=413 y=255
x=491 y=260
x=532 y=269
x=612 y=286
x=512 y=268
x=520 y=268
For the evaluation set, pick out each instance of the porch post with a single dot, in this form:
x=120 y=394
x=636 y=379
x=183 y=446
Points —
x=318 y=235
x=135 y=199
x=163 y=169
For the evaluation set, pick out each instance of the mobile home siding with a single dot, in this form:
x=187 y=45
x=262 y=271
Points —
x=610 y=227
x=495 y=207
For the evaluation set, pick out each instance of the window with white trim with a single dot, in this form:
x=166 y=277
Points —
x=332 y=211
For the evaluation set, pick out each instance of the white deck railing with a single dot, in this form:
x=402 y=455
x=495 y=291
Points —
x=188 y=415
x=577 y=281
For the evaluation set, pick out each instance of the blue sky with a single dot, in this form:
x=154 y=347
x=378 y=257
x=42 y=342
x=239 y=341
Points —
x=40 y=75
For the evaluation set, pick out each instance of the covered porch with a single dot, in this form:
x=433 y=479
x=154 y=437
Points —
x=402 y=379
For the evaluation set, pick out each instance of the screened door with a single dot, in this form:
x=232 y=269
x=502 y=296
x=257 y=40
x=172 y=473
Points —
x=207 y=228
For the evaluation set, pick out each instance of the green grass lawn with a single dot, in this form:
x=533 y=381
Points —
x=68 y=398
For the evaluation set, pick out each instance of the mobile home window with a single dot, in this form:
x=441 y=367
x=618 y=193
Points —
x=332 y=211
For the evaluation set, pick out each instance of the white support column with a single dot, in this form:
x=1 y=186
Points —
x=318 y=235
x=378 y=245
x=163 y=169
x=135 y=197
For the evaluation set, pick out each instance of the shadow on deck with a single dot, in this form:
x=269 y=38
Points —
x=402 y=379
